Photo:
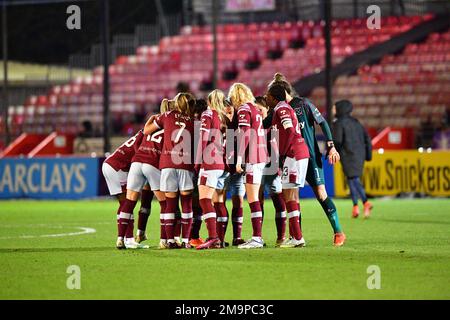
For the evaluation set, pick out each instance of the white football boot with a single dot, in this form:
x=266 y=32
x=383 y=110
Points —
x=293 y=243
x=132 y=244
x=177 y=241
x=252 y=244
x=163 y=244
x=120 y=244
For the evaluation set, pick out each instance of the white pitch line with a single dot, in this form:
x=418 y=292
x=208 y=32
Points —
x=84 y=231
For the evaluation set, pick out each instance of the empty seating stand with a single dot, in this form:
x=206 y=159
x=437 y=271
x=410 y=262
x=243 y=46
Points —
x=402 y=90
x=140 y=81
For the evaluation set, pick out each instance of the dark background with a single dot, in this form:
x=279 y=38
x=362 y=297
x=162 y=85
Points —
x=38 y=32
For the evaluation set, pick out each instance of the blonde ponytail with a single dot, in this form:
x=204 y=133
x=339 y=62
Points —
x=184 y=103
x=240 y=94
x=165 y=106
x=216 y=101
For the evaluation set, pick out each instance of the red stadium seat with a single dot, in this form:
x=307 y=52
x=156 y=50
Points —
x=155 y=71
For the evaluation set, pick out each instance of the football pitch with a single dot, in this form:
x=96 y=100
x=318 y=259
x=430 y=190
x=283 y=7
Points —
x=408 y=240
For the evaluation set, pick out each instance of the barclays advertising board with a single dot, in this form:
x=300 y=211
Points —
x=49 y=178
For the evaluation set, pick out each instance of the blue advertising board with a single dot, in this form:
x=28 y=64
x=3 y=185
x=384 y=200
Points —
x=49 y=178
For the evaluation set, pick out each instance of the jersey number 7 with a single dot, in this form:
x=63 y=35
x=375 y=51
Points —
x=180 y=131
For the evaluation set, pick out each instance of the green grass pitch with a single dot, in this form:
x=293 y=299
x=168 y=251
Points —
x=409 y=240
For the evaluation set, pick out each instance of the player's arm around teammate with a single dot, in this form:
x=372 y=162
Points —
x=293 y=148
x=116 y=171
x=144 y=169
x=177 y=168
x=308 y=115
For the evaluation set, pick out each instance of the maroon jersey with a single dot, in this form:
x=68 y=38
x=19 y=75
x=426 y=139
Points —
x=230 y=143
x=250 y=120
x=121 y=158
x=290 y=140
x=150 y=149
x=210 y=151
x=178 y=138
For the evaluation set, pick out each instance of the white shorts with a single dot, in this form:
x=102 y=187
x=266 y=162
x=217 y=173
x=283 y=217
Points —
x=141 y=173
x=153 y=176
x=254 y=173
x=174 y=180
x=235 y=184
x=212 y=178
x=115 y=180
x=272 y=183
x=294 y=173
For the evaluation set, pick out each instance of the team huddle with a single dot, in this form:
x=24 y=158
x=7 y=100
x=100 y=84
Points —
x=195 y=151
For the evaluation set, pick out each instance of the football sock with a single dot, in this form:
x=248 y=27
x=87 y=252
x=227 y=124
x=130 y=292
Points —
x=293 y=209
x=280 y=214
x=125 y=218
x=256 y=215
x=169 y=218
x=142 y=220
x=222 y=219
x=237 y=218
x=186 y=217
x=118 y=212
x=177 y=223
x=261 y=203
x=144 y=211
x=146 y=198
x=196 y=223
x=162 y=222
x=130 y=228
x=330 y=210
x=209 y=216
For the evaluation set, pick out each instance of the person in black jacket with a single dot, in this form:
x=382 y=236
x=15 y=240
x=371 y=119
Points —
x=354 y=145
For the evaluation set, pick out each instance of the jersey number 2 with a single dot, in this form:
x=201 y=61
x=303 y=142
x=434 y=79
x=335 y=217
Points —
x=260 y=128
x=156 y=137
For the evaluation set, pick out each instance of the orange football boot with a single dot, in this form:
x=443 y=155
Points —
x=367 y=208
x=339 y=239
x=196 y=242
x=355 y=211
